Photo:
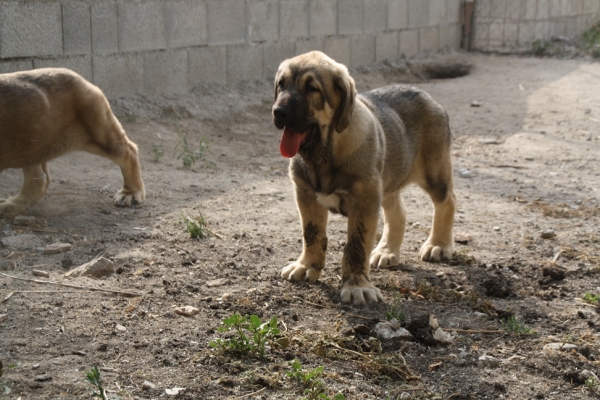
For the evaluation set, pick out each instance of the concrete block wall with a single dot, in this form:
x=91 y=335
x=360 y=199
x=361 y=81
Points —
x=168 y=46
x=501 y=25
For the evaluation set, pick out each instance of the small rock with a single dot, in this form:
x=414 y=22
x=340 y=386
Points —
x=217 y=282
x=462 y=238
x=488 y=362
x=187 y=311
x=79 y=353
x=7 y=265
x=490 y=141
x=496 y=228
x=148 y=386
x=42 y=378
x=43 y=274
x=120 y=328
x=58 y=247
x=35 y=366
x=22 y=242
x=3 y=317
x=174 y=391
x=547 y=234
x=480 y=314
x=142 y=343
x=24 y=220
x=386 y=331
x=475 y=103
x=466 y=173
x=405 y=396
x=97 y=268
x=560 y=346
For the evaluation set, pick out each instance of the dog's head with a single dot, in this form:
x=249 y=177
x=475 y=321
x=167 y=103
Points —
x=314 y=95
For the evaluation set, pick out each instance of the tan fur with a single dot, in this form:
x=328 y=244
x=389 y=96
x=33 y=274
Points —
x=361 y=150
x=45 y=113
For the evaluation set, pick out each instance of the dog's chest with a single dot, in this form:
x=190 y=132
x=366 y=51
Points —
x=334 y=202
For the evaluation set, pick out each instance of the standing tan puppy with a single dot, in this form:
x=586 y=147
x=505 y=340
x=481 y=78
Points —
x=352 y=154
x=45 y=113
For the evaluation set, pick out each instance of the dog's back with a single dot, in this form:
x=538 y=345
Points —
x=39 y=111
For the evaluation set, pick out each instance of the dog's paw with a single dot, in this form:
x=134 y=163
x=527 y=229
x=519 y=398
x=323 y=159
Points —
x=299 y=272
x=127 y=198
x=435 y=252
x=383 y=257
x=363 y=292
x=12 y=206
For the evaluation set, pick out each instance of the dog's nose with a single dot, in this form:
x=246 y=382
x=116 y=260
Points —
x=280 y=114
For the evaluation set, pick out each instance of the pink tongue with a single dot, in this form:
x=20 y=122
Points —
x=290 y=142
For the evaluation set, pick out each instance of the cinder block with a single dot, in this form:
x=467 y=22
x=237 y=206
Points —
x=453 y=11
x=338 y=48
x=306 y=45
x=375 y=17
x=437 y=12
x=418 y=13
x=207 y=65
x=119 y=75
x=362 y=50
x=30 y=29
x=450 y=35
x=273 y=54
x=497 y=30
x=429 y=39
x=483 y=8
x=397 y=16
x=226 y=21
x=166 y=72
x=498 y=9
x=555 y=8
x=350 y=17
x=244 y=63
x=186 y=23
x=526 y=32
x=263 y=20
x=77 y=28
x=386 y=46
x=511 y=33
x=80 y=64
x=14 y=66
x=409 y=42
x=141 y=26
x=105 y=28
x=543 y=30
x=543 y=9
x=294 y=19
x=323 y=17
x=481 y=37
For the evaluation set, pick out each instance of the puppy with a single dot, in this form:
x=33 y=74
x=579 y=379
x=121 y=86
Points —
x=45 y=113
x=352 y=154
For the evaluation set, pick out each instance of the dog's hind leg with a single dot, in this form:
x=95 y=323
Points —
x=439 y=243
x=313 y=217
x=36 y=180
x=387 y=251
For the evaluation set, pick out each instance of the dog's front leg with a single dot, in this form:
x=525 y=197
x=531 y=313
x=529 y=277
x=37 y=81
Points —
x=313 y=217
x=362 y=225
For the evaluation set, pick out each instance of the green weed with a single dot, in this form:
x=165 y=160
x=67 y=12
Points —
x=591 y=40
x=158 y=152
x=591 y=298
x=197 y=227
x=515 y=325
x=3 y=369
x=93 y=377
x=314 y=389
x=591 y=384
x=396 y=310
x=249 y=337
x=189 y=156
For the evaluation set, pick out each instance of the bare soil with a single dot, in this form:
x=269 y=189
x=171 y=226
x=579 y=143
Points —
x=526 y=161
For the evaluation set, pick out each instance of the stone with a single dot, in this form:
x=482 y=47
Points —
x=96 y=268
x=187 y=311
x=390 y=331
x=148 y=386
x=547 y=234
x=43 y=274
x=24 y=220
x=22 y=242
x=120 y=328
x=560 y=346
x=488 y=362
x=58 y=247
x=217 y=282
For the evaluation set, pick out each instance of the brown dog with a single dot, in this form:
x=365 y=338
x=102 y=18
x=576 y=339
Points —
x=352 y=154
x=45 y=113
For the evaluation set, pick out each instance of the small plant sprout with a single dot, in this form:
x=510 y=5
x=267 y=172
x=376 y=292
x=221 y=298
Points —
x=197 y=226
x=515 y=325
x=93 y=377
x=249 y=335
x=158 y=152
x=314 y=389
x=396 y=310
x=591 y=298
x=189 y=156
x=5 y=389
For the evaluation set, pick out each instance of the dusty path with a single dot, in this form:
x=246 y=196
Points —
x=532 y=154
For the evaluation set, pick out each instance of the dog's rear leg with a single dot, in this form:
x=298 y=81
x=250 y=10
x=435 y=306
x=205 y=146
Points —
x=387 y=251
x=439 y=243
x=36 y=180
x=313 y=217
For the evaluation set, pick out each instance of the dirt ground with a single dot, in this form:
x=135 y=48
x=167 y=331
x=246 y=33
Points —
x=526 y=157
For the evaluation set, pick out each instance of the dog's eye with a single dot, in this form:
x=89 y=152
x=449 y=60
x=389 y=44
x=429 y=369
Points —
x=280 y=83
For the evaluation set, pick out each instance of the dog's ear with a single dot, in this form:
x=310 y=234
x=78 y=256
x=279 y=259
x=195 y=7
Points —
x=344 y=84
x=276 y=85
